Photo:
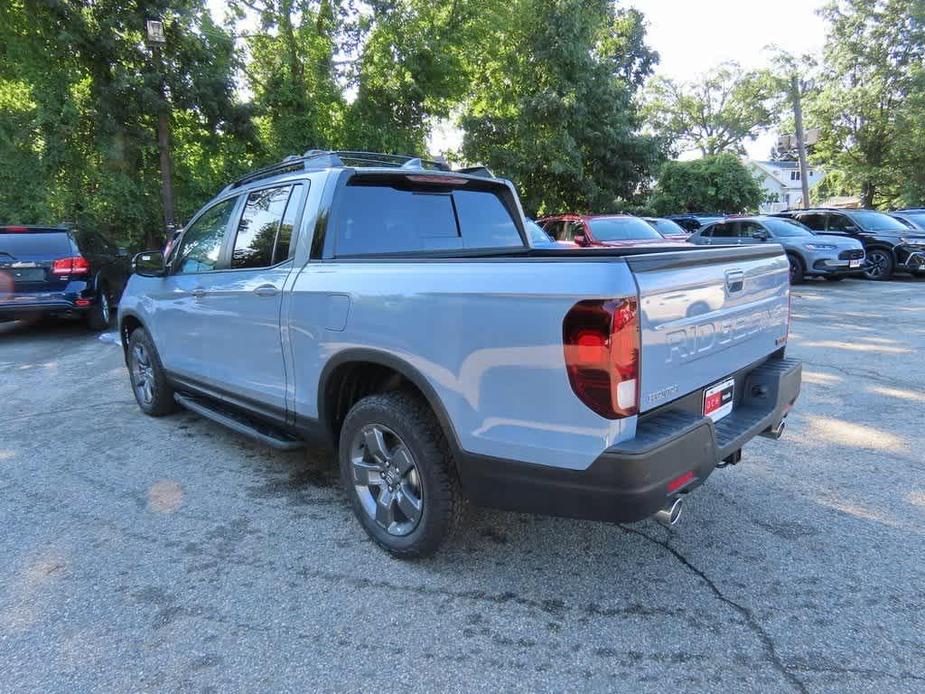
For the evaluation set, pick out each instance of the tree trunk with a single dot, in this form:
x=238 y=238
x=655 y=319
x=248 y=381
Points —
x=867 y=194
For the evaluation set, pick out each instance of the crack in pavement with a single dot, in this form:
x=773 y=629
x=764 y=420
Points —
x=750 y=620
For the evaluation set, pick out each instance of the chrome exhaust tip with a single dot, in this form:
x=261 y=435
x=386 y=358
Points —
x=774 y=432
x=670 y=514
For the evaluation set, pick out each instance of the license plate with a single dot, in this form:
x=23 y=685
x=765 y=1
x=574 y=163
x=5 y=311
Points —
x=20 y=274
x=717 y=399
x=854 y=263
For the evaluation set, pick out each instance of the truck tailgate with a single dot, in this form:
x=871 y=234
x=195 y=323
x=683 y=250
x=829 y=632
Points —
x=704 y=314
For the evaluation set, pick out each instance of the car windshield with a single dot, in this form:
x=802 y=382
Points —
x=787 y=227
x=538 y=237
x=917 y=219
x=621 y=229
x=876 y=221
x=666 y=227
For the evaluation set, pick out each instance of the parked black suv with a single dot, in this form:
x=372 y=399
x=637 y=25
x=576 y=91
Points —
x=889 y=244
x=691 y=222
x=55 y=270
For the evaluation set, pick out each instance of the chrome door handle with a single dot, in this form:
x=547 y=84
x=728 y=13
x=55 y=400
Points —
x=198 y=292
x=266 y=290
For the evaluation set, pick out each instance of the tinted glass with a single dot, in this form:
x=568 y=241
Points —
x=259 y=226
x=747 y=229
x=725 y=231
x=202 y=242
x=385 y=219
x=813 y=220
x=621 y=229
x=667 y=228
x=284 y=237
x=22 y=244
x=786 y=228
x=876 y=221
x=485 y=221
x=840 y=222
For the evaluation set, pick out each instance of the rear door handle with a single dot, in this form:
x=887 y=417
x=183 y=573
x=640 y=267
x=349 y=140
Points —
x=198 y=292
x=266 y=290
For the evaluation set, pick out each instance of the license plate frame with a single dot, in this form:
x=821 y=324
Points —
x=718 y=399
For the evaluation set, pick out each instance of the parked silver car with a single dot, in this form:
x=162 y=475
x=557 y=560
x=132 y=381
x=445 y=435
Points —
x=810 y=254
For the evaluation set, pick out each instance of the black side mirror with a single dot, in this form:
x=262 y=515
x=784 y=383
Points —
x=761 y=235
x=149 y=264
x=122 y=252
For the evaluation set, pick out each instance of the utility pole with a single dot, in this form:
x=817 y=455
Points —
x=156 y=38
x=801 y=144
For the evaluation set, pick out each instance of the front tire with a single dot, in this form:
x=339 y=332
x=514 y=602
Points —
x=398 y=472
x=879 y=265
x=150 y=386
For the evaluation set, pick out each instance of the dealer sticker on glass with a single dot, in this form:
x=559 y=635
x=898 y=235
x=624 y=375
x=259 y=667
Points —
x=717 y=399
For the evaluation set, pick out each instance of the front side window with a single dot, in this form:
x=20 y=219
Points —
x=202 y=242
x=839 y=222
x=786 y=228
x=265 y=228
x=747 y=230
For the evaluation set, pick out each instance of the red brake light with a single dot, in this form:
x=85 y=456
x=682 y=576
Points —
x=17 y=230
x=601 y=342
x=75 y=265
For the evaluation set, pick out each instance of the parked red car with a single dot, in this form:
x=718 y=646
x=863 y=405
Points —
x=604 y=230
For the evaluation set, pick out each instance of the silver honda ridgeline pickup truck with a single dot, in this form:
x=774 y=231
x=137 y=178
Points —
x=396 y=311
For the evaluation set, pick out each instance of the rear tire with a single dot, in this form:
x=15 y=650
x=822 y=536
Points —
x=398 y=472
x=100 y=316
x=152 y=390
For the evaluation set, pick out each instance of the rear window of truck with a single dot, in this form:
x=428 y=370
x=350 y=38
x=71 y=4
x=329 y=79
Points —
x=382 y=219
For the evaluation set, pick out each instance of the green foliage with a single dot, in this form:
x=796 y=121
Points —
x=552 y=105
x=720 y=113
x=870 y=108
x=716 y=183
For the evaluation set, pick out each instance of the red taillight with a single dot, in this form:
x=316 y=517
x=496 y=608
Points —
x=75 y=265
x=601 y=341
x=16 y=230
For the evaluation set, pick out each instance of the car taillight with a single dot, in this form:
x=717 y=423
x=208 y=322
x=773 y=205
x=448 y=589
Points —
x=601 y=342
x=75 y=265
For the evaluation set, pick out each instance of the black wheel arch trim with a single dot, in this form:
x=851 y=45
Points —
x=400 y=366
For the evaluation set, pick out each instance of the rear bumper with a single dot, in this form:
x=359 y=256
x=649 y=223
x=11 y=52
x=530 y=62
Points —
x=630 y=481
x=31 y=307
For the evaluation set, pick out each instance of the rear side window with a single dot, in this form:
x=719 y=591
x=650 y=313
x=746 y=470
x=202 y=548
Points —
x=265 y=230
x=391 y=219
x=723 y=231
x=814 y=221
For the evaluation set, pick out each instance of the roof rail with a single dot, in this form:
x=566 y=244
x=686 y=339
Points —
x=322 y=159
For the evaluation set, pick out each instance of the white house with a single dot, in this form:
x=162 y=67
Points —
x=781 y=180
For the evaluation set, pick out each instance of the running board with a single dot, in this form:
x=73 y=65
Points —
x=240 y=424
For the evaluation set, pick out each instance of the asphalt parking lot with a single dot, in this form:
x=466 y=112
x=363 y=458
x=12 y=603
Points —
x=171 y=555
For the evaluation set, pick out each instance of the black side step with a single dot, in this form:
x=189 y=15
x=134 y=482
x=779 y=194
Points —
x=258 y=431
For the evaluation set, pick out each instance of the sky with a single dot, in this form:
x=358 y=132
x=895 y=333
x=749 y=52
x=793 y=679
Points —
x=691 y=36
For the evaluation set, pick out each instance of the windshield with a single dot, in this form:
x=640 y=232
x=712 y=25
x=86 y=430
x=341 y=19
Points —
x=916 y=218
x=787 y=227
x=538 y=237
x=667 y=228
x=876 y=221
x=621 y=229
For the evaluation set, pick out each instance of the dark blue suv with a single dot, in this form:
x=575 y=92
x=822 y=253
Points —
x=55 y=270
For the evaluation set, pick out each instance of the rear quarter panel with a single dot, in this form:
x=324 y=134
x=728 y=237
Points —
x=486 y=336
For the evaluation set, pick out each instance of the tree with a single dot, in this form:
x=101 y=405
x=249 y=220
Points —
x=872 y=61
x=552 y=105
x=716 y=183
x=90 y=99
x=728 y=107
